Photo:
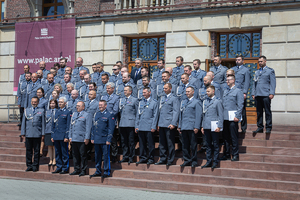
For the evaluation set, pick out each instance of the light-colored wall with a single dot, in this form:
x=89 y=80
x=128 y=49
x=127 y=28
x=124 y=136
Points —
x=190 y=38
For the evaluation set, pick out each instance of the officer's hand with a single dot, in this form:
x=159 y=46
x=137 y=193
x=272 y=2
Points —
x=245 y=96
x=171 y=126
x=179 y=130
x=235 y=119
x=107 y=143
x=202 y=131
x=92 y=141
x=43 y=138
x=52 y=140
x=271 y=96
x=217 y=130
x=19 y=106
x=158 y=128
x=86 y=141
x=70 y=140
x=136 y=130
x=196 y=130
x=66 y=140
x=23 y=136
x=152 y=130
x=253 y=97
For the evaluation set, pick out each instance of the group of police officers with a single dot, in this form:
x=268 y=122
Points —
x=74 y=107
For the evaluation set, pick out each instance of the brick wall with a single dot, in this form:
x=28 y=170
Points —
x=213 y=36
x=17 y=8
x=107 y=5
x=125 y=50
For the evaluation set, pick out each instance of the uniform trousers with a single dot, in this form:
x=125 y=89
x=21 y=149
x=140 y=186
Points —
x=189 y=146
x=79 y=156
x=61 y=155
x=33 y=148
x=102 y=149
x=127 y=141
x=231 y=135
x=244 y=116
x=21 y=113
x=263 y=103
x=166 y=143
x=114 y=144
x=146 y=137
x=212 y=140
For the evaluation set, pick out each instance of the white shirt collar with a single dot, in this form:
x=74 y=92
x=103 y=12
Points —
x=169 y=94
x=191 y=98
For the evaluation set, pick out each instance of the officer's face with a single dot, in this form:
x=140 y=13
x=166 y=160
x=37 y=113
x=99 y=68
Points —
x=79 y=107
x=26 y=68
x=262 y=62
x=210 y=92
x=123 y=70
x=178 y=62
x=74 y=94
x=160 y=65
x=57 y=88
x=50 y=78
x=109 y=89
x=146 y=93
x=53 y=71
x=52 y=105
x=68 y=70
x=104 y=79
x=145 y=82
x=116 y=70
x=230 y=81
x=217 y=61
x=138 y=63
x=127 y=91
x=42 y=65
x=125 y=78
x=39 y=94
x=69 y=88
x=67 y=78
x=187 y=71
x=196 y=65
x=81 y=74
x=102 y=106
x=62 y=63
x=87 y=79
x=39 y=73
x=92 y=95
x=184 y=79
x=239 y=61
x=91 y=87
x=165 y=77
x=167 y=90
x=54 y=94
x=79 y=62
x=94 y=67
x=144 y=72
x=34 y=77
x=61 y=103
x=100 y=68
x=206 y=81
x=34 y=102
x=189 y=92
x=27 y=77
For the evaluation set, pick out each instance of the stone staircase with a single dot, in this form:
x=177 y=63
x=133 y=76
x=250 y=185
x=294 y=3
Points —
x=268 y=169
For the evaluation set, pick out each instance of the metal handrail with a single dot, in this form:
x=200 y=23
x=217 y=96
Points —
x=8 y=107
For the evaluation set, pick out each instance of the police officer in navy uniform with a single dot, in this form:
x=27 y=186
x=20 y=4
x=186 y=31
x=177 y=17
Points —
x=31 y=89
x=263 y=92
x=112 y=101
x=128 y=107
x=79 y=136
x=242 y=76
x=102 y=132
x=167 y=123
x=60 y=136
x=21 y=94
x=233 y=100
x=33 y=128
x=189 y=126
x=145 y=126
x=219 y=70
x=212 y=112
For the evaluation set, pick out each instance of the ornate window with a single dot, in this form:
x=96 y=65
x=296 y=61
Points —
x=53 y=7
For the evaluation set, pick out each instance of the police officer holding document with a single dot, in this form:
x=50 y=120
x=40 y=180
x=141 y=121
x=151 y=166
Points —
x=33 y=129
x=79 y=136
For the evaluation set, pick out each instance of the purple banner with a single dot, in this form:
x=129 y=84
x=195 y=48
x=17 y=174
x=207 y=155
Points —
x=43 y=41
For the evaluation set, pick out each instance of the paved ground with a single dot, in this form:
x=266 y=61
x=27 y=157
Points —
x=23 y=189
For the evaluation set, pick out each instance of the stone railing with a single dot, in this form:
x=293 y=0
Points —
x=132 y=5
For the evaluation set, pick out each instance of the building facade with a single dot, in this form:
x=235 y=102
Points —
x=112 y=30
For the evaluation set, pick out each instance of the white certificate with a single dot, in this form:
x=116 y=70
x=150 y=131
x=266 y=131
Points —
x=214 y=125
x=231 y=115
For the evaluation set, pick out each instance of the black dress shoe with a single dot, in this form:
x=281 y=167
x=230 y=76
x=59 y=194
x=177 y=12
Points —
x=123 y=160
x=50 y=164
x=169 y=164
x=130 y=161
x=150 y=162
x=215 y=165
x=202 y=150
x=34 y=169
x=56 y=172
x=141 y=161
x=74 y=173
x=225 y=158
x=235 y=158
x=243 y=131
x=160 y=163
x=82 y=174
x=104 y=176
x=19 y=124
x=194 y=165
x=258 y=131
x=268 y=131
x=63 y=172
x=29 y=169
x=94 y=175
x=206 y=165
x=185 y=164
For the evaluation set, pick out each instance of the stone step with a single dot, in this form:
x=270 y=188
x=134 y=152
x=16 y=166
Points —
x=236 y=191
x=270 y=143
x=8 y=138
x=20 y=158
x=10 y=133
x=275 y=128
x=275 y=135
x=10 y=126
x=13 y=151
x=12 y=144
